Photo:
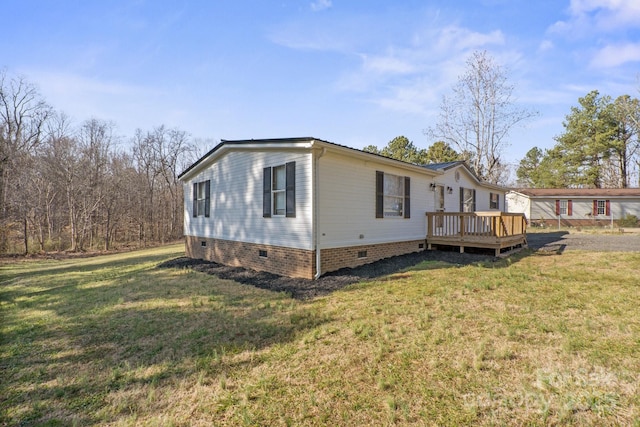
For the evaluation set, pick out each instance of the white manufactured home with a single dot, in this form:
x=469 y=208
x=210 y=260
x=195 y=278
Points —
x=574 y=206
x=303 y=207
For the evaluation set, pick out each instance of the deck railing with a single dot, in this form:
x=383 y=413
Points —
x=476 y=229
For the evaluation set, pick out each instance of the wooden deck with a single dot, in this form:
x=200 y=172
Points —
x=489 y=230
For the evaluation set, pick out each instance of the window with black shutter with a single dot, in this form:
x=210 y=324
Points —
x=279 y=191
x=393 y=196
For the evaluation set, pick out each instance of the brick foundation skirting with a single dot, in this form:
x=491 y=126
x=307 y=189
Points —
x=273 y=259
x=353 y=256
x=293 y=262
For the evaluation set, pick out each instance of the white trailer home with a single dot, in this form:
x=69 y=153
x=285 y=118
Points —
x=574 y=206
x=303 y=207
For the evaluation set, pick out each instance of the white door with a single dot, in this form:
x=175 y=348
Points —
x=439 y=220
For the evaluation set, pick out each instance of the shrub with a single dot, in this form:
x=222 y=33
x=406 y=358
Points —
x=628 y=221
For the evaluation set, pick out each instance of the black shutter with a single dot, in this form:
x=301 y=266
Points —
x=474 y=200
x=379 y=194
x=266 y=193
x=207 y=198
x=195 y=199
x=407 y=200
x=461 y=199
x=291 y=189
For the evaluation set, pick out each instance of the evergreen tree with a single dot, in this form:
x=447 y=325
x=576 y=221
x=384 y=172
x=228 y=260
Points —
x=440 y=152
x=588 y=140
x=400 y=148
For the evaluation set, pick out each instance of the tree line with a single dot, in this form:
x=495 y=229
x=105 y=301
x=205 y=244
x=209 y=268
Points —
x=66 y=187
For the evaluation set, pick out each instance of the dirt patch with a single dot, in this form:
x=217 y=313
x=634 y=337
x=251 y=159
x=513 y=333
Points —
x=304 y=289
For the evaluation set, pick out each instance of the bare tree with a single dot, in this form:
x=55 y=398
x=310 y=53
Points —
x=159 y=156
x=479 y=115
x=96 y=138
x=23 y=114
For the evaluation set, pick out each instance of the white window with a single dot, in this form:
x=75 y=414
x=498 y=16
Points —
x=393 y=195
x=564 y=207
x=201 y=198
x=494 y=201
x=467 y=200
x=602 y=207
x=278 y=189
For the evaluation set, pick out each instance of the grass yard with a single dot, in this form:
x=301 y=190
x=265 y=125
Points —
x=538 y=339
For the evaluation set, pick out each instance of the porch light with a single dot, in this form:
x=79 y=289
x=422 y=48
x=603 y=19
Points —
x=449 y=190
x=432 y=186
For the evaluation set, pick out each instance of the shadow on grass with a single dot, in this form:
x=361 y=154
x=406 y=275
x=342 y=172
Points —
x=304 y=289
x=104 y=327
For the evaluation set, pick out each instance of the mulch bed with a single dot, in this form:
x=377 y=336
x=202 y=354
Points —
x=304 y=289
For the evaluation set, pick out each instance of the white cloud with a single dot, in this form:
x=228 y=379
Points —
x=387 y=64
x=319 y=5
x=460 y=39
x=410 y=78
x=609 y=16
x=545 y=46
x=415 y=97
x=84 y=97
x=615 y=55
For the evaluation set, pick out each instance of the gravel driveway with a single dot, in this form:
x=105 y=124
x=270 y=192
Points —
x=562 y=240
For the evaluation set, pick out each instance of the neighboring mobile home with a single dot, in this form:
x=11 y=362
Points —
x=288 y=205
x=574 y=206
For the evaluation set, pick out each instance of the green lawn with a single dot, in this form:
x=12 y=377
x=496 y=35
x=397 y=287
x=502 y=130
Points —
x=538 y=339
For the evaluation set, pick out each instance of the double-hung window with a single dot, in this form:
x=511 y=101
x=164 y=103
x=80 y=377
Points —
x=392 y=196
x=279 y=191
x=467 y=199
x=202 y=198
x=564 y=207
x=494 y=201
x=601 y=207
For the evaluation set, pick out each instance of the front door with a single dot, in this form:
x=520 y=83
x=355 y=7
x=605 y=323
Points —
x=439 y=198
x=439 y=205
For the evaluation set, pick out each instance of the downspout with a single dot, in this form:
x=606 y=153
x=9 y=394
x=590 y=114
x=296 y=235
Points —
x=316 y=210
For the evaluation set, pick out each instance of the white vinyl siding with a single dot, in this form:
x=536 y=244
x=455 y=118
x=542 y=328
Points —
x=347 y=205
x=518 y=203
x=451 y=188
x=237 y=195
x=582 y=207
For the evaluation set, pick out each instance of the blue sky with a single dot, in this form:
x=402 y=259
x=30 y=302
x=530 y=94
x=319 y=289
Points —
x=350 y=72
